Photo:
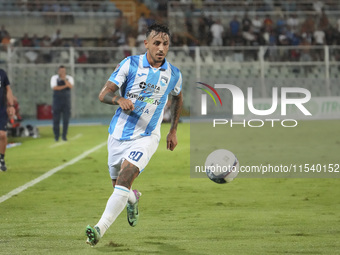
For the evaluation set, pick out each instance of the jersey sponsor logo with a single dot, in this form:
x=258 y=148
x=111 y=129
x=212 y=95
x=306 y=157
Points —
x=141 y=74
x=142 y=85
x=141 y=109
x=149 y=88
x=143 y=99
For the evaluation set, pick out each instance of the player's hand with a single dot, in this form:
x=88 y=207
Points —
x=125 y=104
x=10 y=111
x=171 y=140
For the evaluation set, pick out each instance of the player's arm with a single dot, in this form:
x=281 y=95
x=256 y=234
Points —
x=176 y=106
x=60 y=87
x=109 y=95
x=10 y=101
x=68 y=84
x=54 y=85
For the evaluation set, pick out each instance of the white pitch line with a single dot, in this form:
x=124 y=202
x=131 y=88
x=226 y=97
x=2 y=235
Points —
x=49 y=173
x=63 y=142
x=57 y=144
x=76 y=136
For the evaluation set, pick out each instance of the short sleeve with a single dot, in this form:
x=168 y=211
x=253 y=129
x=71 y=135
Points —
x=119 y=75
x=54 y=81
x=70 y=79
x=178 y=86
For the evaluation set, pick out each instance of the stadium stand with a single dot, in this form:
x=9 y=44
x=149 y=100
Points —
x=275 y=58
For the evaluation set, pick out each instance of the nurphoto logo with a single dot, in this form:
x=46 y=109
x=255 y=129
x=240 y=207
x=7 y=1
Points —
x=238 y=104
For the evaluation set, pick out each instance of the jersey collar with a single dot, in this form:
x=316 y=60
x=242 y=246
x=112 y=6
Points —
x=147 y=64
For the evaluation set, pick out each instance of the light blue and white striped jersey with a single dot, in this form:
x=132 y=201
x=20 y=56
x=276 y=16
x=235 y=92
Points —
x=148 y=88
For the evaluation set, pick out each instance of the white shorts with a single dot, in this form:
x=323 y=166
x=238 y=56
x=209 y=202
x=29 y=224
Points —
x=137 y=151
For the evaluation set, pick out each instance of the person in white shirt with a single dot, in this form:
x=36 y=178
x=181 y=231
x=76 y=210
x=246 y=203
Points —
x=319 y=39
x=61 y=84
x=293 y=23
x=256 y=25
x=217 y=31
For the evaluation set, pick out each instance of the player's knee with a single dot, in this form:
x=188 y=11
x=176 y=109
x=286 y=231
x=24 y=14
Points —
x=2 y=135
x=127 y=174
x=114 y=182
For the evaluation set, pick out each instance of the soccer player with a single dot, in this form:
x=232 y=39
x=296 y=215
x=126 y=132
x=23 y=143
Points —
x=6 y=110
x=144 y=83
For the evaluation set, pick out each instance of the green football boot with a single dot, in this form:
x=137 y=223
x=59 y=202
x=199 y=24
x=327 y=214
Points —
x=132 y=210
x=93 y=235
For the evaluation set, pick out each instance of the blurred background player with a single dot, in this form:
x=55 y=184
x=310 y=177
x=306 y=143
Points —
x=6 y=110
x=61 y=84
x=144 y=82
x=13 y=126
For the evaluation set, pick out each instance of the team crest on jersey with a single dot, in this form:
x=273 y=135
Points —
x=164 y=80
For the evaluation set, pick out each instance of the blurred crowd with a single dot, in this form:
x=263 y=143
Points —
x=202 y=30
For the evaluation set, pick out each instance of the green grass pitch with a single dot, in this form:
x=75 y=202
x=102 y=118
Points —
x=179 y=214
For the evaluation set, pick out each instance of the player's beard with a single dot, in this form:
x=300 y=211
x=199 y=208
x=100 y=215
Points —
x=159 y=58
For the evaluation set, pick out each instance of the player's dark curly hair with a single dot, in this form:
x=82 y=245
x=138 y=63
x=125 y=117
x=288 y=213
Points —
x=158 y=28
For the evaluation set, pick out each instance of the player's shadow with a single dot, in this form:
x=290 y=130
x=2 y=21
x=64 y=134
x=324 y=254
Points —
x=165 y=248
x=161 y=248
